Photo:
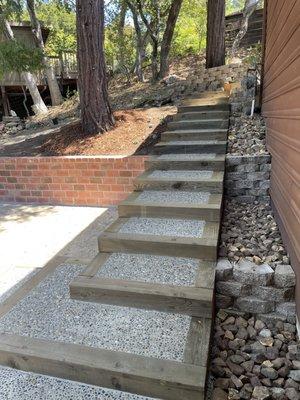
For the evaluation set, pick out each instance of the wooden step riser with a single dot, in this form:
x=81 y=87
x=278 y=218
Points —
x=111 y=244
x=169 y=136
x=145 y=376
x=198 y=124
x=205 y=213
x=205 y=186
x=195 y=302
x=166 y=165
x=190 y=149
x=200 y=108
x=201 y=115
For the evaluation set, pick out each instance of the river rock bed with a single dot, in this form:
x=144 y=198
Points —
x=247 y=136
x=249 y=231
x=254 y=359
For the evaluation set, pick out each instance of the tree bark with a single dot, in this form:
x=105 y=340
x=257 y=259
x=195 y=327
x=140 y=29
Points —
x=249 y=8
x=121 y=26
x=153 y=30
x=96 y=114
x=39 y=106
x=167 y=37
x=215 y=46
x=140 y=42
x=56 y=97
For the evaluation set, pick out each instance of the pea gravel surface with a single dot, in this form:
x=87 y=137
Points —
x=163 y=227
x=19 y=385
x=182 y=175
x=171 y=196
x=191 y=142
x=149 y=268
x=191 y=156
x=47 y=312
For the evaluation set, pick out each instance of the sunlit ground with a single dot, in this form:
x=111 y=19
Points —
x=31 y=235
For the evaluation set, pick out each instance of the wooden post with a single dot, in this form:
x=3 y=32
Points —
x=5 y=101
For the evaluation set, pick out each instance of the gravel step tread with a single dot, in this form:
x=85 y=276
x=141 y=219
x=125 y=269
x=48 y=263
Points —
x=188 y=238
x=191 y=143
x=181 y=175
x=172 y=204
x=163 y=283
x=196 y=130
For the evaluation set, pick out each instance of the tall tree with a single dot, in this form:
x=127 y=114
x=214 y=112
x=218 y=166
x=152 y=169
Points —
x=160 y=19
x=121 y=25
x=96 y=113
x=168 y=36
x=140 y=41
x=56 y=97
x=38 y=104
x=215 y=42
x=249 y=8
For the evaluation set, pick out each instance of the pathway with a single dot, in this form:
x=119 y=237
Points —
x=153 y=278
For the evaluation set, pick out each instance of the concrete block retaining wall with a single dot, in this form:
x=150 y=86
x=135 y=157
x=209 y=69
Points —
x=68 y=180
x=248 y=177
x=256 y=289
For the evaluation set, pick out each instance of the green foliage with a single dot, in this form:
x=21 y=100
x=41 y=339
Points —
x=190 y=31
x=16 y=56
x=60 y=18
x=254 y=55
x=233 y=6
x=112 y=46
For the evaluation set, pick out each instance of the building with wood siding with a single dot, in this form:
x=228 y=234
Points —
x=281 y=109
x=12 y=84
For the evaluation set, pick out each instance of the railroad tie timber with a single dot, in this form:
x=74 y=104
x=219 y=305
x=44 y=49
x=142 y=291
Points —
x=159 y=255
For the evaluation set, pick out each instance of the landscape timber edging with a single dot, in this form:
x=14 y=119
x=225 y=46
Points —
x=70 y=180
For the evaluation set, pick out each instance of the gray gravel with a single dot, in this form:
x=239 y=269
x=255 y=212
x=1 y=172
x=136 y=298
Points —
x=19 y=385
x=164 y=226
x=149 y=268
x=171 y=196
x=183 y=175
x=196 y=156
x=47 y=312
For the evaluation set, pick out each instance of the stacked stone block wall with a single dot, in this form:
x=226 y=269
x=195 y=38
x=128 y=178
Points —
x=257 y=289
x=248 y=177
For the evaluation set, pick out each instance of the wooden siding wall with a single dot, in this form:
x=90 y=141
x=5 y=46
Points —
x=281 y=108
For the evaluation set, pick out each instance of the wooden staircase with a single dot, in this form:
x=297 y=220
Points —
x=174 y=211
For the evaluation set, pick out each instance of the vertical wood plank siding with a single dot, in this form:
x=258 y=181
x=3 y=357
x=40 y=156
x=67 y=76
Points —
x=281 y=108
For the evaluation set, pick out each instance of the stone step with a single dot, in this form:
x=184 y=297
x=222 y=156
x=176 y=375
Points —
x=194 y=134
x=147 y=281
x=162 y=236
x=192 y=105
x=191 y=146
x=146 y=376
x=186 y=116
x=178 y=180
x=172 y=204
x=199 y=124
x=210 y=161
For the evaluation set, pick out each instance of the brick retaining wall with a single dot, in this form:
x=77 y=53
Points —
x=68 y=180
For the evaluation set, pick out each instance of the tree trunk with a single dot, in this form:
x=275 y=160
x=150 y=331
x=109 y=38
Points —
x=215 y=46
x=249 y=8
x=154 y=60
x=140 y=43
x=38 y=104
x=168 y=36
x=121 y=33
x=96 y=112
x=56 y=97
